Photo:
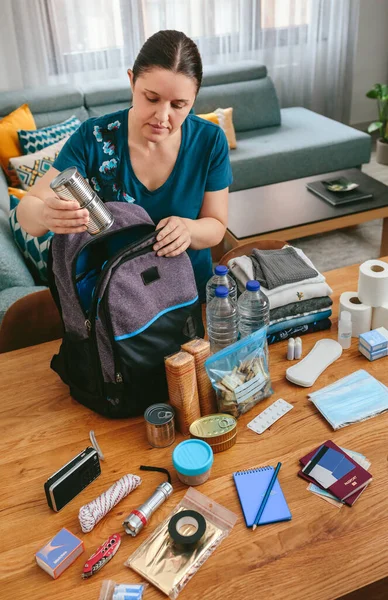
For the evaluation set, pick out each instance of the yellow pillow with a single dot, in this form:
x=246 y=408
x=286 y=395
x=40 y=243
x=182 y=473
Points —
x=18 y=192
x=21 y=118
x=224 y=118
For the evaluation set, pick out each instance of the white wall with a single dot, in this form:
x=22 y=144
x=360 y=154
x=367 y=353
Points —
x=371 y=60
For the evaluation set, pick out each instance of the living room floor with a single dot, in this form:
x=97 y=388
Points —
x=347 y=246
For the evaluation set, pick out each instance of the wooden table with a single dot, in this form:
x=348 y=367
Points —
x=288 y=210
x=321 y=554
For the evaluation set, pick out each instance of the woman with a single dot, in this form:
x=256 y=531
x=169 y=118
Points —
x=172 y=163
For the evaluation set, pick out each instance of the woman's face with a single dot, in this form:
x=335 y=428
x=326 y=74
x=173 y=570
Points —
x=161 y=102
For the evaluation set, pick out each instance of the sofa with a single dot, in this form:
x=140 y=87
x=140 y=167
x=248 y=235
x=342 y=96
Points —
x=273 y=145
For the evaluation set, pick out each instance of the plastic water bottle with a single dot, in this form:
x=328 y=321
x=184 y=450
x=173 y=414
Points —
x=221 y=277
x=221 y=319
x=253 y=309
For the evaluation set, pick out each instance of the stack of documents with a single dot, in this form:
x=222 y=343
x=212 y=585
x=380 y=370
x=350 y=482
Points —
x=336 y=473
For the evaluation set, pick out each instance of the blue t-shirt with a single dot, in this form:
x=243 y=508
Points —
x=99 y=150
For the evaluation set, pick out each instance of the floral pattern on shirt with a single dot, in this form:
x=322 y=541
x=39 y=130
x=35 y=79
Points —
x=108 y=167
x=97 y=133
x=114 y=126
x=96 y=185
x=109 y=148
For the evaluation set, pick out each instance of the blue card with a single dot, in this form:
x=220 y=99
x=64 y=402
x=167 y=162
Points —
x=328 y=466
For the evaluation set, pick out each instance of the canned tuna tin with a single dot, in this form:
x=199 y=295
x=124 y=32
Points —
x=218 y=430
x=160 y=426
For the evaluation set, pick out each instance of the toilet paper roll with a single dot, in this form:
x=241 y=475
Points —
x=380 y=317
x=373 y=283
x=361 y=313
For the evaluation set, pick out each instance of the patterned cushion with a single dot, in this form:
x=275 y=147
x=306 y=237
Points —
x=34 y=249
x=30 y=167
x=32 y=141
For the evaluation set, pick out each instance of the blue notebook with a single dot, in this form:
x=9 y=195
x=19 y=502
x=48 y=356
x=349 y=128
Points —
x=251 y=486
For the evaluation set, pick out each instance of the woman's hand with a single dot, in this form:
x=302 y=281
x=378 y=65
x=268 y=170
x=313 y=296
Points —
x=173 y=238
x=63 y=216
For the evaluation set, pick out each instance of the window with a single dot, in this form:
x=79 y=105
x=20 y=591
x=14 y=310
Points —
x=86 y=35
x=275 y=14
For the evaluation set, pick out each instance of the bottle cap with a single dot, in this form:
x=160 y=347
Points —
x=346 y=316
x=222 y=291
x=253 y=285
x=221 y=270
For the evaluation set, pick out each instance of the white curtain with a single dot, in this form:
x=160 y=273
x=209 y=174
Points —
x=308 y=46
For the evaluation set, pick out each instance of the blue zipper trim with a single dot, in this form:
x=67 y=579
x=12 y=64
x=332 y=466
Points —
x=118 y=338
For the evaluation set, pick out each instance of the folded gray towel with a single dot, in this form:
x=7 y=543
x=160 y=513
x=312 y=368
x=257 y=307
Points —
x=279 y=267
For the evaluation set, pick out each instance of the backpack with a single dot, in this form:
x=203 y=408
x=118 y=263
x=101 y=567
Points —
x=124 y=309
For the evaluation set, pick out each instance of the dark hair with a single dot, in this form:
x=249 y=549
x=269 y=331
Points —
x=171 y=50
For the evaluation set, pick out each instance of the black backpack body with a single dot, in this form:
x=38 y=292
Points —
x=123 y=310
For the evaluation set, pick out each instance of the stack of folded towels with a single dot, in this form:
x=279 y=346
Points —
x=298 y=294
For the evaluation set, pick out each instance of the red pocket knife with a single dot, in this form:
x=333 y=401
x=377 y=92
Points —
x=101 y=556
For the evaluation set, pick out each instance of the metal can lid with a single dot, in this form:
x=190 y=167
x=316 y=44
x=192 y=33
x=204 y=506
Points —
x=63 y=177
x=213 y=425
x=159 y=414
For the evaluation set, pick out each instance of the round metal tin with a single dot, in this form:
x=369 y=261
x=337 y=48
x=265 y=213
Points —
x=160 y=426
x=214 y=429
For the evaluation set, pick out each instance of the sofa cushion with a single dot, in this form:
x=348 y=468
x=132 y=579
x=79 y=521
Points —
x=108 y=93
x=34 y=249
x=255 y=103
x=233 y=72
x=13 y=269
x=4 y=197
x=33 y=141
x=224 y=118
x=9 y=141
x=305 y=144
x=49 y=104
x=30 y=167
x=12 y=294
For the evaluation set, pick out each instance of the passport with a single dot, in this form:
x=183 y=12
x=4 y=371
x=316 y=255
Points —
x=333 y=470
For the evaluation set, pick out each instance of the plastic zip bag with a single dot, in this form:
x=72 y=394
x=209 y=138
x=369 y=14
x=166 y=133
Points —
x=240 y=374
x=111 y=590
x=168 y=565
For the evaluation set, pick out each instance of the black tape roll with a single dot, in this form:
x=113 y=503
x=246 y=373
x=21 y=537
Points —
x=186 y=517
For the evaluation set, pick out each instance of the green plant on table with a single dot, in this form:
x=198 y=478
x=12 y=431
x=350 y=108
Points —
x=380 y=93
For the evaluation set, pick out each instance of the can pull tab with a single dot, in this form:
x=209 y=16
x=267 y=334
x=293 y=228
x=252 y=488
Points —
x=224 y=423
x=165 y=414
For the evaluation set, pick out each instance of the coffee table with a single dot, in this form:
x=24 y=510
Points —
x=288 y=210
x=321 y=554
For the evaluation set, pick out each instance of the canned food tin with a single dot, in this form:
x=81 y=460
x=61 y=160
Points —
x=219 y=431
x=160 y=426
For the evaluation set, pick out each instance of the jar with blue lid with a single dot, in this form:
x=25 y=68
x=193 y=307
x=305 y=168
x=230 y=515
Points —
x=193 y=460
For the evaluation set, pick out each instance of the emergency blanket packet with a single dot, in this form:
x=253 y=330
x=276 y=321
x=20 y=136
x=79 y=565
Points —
x=175 y=551
x=240 y=374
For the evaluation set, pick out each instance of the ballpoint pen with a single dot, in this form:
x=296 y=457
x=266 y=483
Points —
x=266 y=496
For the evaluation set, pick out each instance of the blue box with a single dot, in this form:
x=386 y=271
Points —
x=377 y=339
x=373 y=355
x=59 y=553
